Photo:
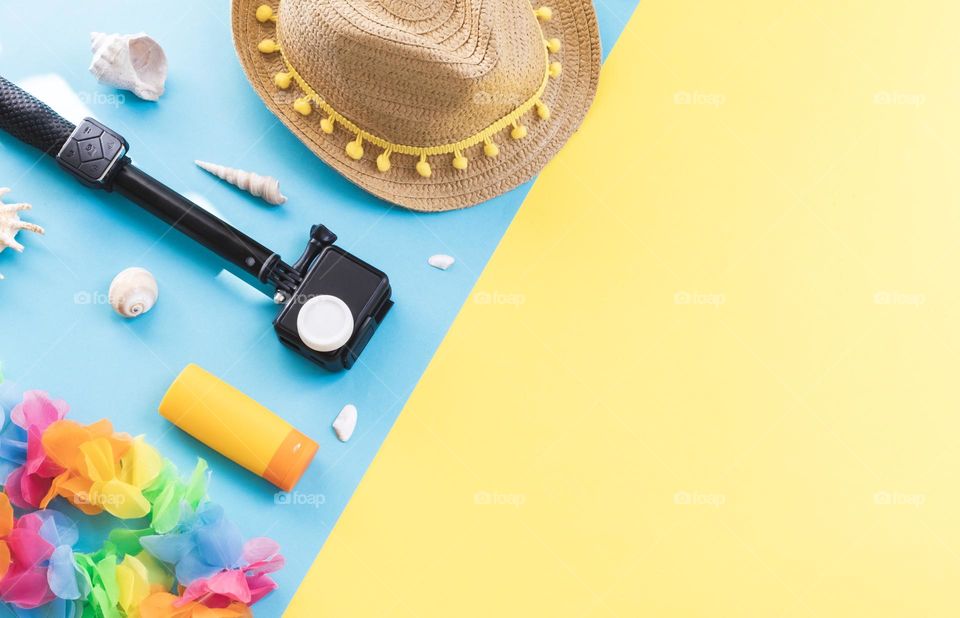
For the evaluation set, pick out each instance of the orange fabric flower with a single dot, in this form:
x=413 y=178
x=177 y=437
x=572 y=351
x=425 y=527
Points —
x=6 y=527
x=62 y=441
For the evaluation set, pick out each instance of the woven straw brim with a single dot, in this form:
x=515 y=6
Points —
x=569 y=96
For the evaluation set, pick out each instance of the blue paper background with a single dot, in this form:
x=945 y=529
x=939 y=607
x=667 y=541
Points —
x=58 y=334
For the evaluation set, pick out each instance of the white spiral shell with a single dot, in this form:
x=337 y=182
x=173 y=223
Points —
x=133 y=292
x=133 y=62
x=264 y=187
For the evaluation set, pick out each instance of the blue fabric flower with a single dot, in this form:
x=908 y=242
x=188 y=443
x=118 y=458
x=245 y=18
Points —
x=63 y=574
x=13 y=439
x=57 y=529
x=203 y=544
x=10 y=396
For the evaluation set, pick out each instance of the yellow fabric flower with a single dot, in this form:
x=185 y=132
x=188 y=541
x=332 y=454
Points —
x=103 y=470
x=138 y=577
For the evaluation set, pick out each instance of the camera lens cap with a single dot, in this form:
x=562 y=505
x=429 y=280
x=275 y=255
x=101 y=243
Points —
x=325 y=323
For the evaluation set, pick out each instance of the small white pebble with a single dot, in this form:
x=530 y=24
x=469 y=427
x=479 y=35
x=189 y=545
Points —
x=345 y=422
x=441 y=261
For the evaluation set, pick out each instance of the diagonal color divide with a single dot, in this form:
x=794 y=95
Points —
x=711 y=368
x=58 y=334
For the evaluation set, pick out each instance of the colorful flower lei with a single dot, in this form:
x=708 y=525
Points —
x=189 y=560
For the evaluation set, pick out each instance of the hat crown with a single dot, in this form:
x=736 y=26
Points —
x=416 y=72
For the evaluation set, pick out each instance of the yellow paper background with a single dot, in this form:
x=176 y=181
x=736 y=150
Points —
x=712 y=369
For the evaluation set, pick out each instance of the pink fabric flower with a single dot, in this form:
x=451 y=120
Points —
x=27 y=485
x=38 y=410
x=25 y=584
x=246 y=585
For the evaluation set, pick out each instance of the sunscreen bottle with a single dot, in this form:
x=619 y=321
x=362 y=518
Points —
x=237 y=427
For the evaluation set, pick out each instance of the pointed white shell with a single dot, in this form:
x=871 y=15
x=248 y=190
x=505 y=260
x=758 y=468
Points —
x=265 y=187
x=10 y=224
x=133 y=62
x=133 y=292
x=345 y=422
x=441 y=261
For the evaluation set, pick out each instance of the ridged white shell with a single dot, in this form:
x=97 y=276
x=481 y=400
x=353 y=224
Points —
x=265 y=187
x=441 y=261
x=133 y=62
x=133 y=292
x=10 y=224
x=345 y=422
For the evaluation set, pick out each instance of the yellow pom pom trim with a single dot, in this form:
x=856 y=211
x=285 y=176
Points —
x=268 y=46
x=282 y=80
x=355 y=148
x=303 y=106
x=423 y=168
x=543 y=111
x=265 y=14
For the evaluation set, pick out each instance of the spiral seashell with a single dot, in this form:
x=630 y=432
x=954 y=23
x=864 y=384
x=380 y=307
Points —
x=10 y=224
x=133 y=62
x=133 y=292
x=264 y=187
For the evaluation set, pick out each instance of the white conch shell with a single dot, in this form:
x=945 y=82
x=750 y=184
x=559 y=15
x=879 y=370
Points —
x=265 y=187
x=133 y=292
x=132 y=62
x=10 y=224
x=441 y=261
x=345 y=422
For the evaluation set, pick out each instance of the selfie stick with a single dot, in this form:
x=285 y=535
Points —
x=332 y=302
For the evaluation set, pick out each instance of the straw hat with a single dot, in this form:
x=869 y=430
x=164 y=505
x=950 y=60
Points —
x=429 y=104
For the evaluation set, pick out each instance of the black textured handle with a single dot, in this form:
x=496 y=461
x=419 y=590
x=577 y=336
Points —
x=30 y=120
